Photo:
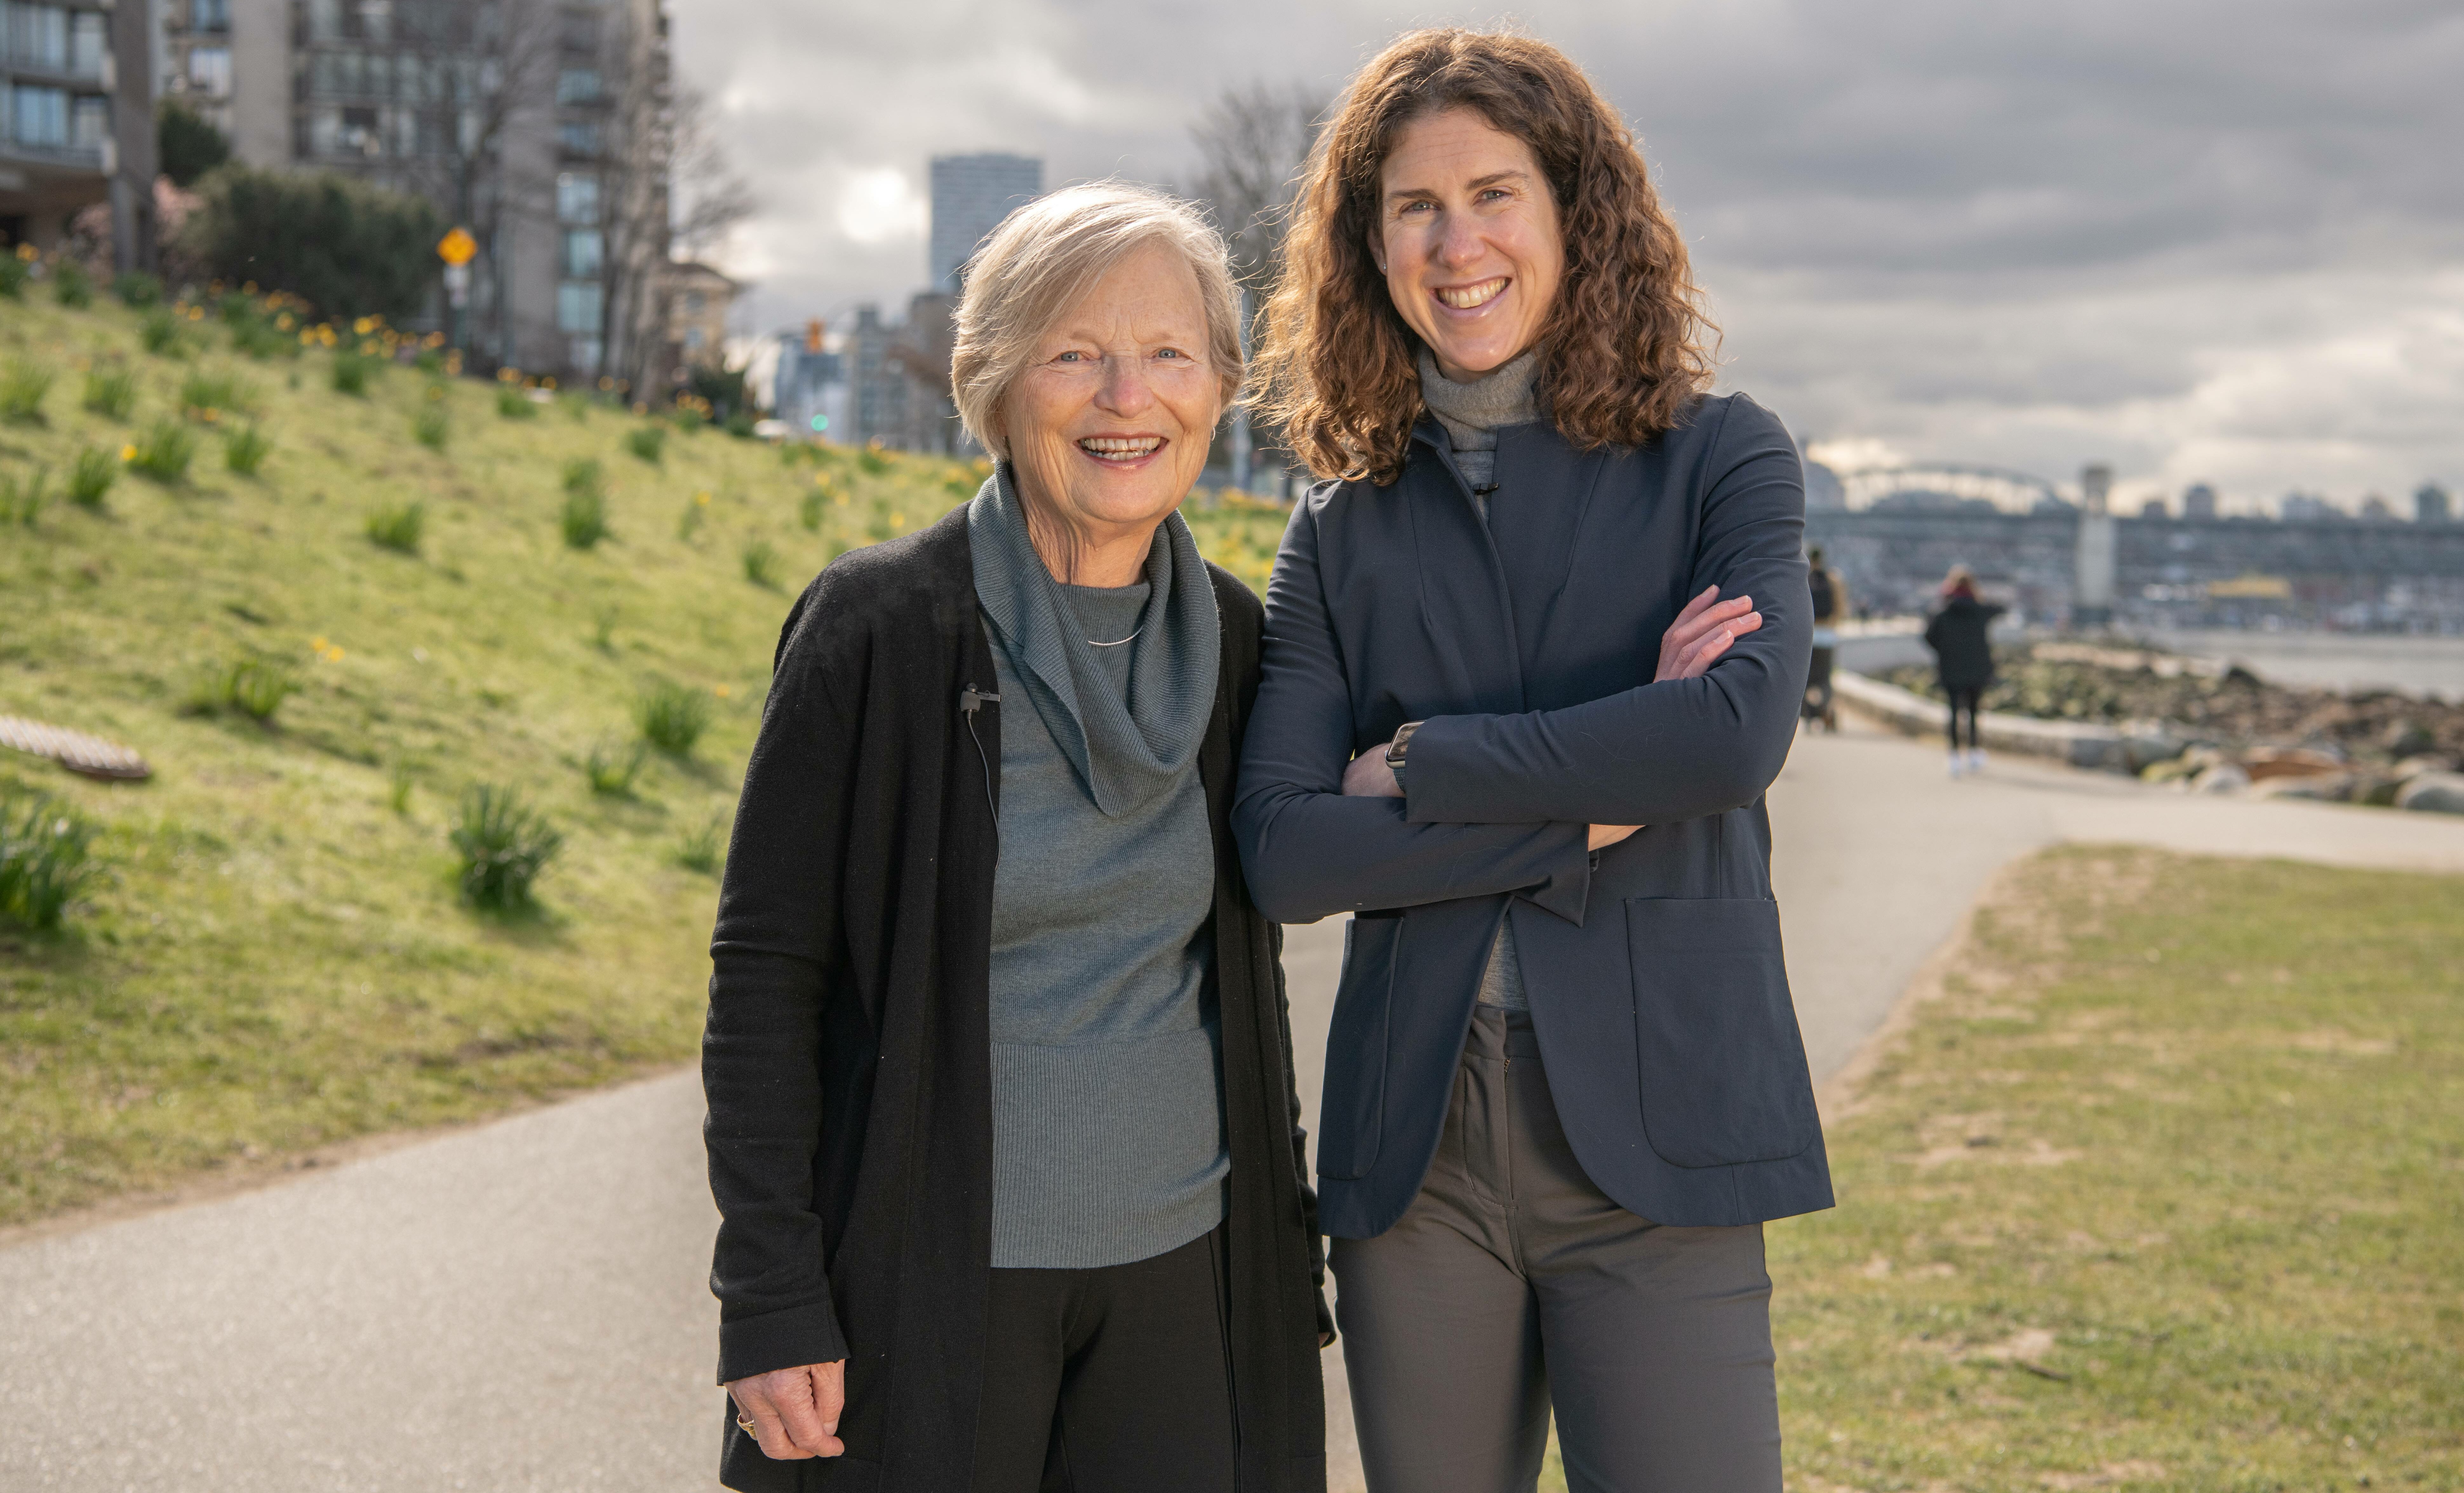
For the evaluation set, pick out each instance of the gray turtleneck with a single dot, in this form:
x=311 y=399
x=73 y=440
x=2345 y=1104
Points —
x=1107 y=1125
x=1473 y=413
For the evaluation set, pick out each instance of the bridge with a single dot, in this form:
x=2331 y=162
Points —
x=2012 y=492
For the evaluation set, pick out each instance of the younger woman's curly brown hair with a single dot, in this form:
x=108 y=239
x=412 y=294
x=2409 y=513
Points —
x=1623 y=349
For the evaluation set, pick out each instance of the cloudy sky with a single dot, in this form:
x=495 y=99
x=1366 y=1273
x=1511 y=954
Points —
x=2215 y=240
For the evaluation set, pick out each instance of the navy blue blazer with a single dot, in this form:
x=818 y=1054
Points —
x=1528 y=646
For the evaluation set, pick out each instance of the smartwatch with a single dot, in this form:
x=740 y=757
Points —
x=1395 y=748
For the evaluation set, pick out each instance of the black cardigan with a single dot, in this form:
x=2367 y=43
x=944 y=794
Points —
x=847 y=1057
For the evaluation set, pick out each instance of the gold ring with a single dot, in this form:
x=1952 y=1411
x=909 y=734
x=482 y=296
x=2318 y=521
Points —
x=745 y=1426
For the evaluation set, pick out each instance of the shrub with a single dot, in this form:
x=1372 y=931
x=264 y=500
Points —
x=348 y=247
x=137 y=288
x=14 y=271
x=704 y=849
x=583 y=517
x=244 y=450
x=352 y=371
x=611 y=770
x=210 y=396
x=92 y=477
x=398 y=786
x=111 y=395
x=22 y=391
x=740 y=425
x=431 y=425
x=672 y=716
x=872 y=461
x=256 y=337
x=514 y=403
x=46 y=858
x=164 y=452
x=399 y=526
x=71 y=283
x=159 y=333
x=648 y=442
x=187 y=141
x=808 y=509
x=505 y=846
x=761 y=560
x=688 y=524
x=22 y=504
x=253 y=687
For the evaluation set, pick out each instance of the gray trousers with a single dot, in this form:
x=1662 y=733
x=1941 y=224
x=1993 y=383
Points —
x=1512 y=1283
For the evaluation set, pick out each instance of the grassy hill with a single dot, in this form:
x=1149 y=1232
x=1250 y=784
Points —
x=279 y=953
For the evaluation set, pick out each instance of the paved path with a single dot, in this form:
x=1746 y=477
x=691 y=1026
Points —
x=520 y=1306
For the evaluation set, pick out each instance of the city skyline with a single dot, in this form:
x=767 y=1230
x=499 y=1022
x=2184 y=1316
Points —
x=2203 y=244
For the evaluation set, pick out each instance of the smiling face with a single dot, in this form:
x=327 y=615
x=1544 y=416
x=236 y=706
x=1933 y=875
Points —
x=1108 y=427
x=1468 y=241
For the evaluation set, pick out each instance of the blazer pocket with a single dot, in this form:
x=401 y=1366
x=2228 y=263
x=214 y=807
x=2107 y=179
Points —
x=1723 y=1066
x=1351 y=1119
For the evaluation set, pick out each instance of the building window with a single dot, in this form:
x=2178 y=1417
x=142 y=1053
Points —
x=578 y=85
x=89 y=121
x=359 y=132
x=210 y=71
x=38 y=36
x=579 y=138
x=578 y=31
x=584 y=250
x=87 y=42
x=695 y=338
x=577 y=308
x=38 y=116
x=586 y=353
x=577 y=197
x=208 y=15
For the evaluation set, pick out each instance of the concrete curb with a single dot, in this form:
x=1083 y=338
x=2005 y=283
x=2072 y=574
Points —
x=2073 y=744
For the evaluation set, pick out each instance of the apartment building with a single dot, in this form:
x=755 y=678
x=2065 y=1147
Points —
x=76 y=122
x=534 y=124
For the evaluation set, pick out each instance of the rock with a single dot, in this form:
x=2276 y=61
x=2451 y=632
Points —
x=2315 y=787
x=2223 y=777
x=2144 y=745
x=2434 y=793
x=2415 y=766
x=2173 y=768
x=2287 y=762
x=2376 y=789
x=2408 y=738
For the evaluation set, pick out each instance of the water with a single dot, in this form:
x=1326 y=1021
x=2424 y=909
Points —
x=2314 y=660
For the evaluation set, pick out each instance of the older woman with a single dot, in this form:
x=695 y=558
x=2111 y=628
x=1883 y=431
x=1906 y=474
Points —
x=1564 y=1086
x=1002 y=1128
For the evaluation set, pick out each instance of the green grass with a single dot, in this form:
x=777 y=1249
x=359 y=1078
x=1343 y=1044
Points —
x=352 y=372
x=164 y=452
x=23 y=388
x=505 y=846
x=110 y=394
x=672 y=716
x=398 y=526
x=90 y=477
x=45 y=857
x=648 y=442
x=276 y=952
x=2165 y=1190
x=433 y=422
x=245 y=450
x=761 y=564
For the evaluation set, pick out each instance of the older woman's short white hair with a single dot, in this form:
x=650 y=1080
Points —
x=1048 y=254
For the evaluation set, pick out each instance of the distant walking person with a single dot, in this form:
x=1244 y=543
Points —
x=1956 y=633
x=1830 y=605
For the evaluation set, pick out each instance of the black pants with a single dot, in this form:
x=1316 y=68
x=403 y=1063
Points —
x=1111 y=1381
x=1963 y=698
x=1818 y=688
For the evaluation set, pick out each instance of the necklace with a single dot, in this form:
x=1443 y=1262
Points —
x=1117 y=641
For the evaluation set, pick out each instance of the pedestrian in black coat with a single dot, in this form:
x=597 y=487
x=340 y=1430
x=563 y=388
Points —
x=910 y=1056
x=1958 y=633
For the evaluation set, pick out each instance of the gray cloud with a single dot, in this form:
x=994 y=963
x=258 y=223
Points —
x=2203 y=239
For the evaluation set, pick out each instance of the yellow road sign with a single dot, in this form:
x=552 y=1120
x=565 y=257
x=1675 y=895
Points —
x=457 y=247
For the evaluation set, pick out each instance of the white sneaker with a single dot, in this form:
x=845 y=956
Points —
x=1958 y=764
x=1976 y=760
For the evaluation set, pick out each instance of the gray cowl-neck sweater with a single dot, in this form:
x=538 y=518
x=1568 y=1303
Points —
x=1107 y=1126
x=1473 y=413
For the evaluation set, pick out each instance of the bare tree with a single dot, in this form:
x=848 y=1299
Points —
x=1252 y=143
x=710 y=198
x=481 y=68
